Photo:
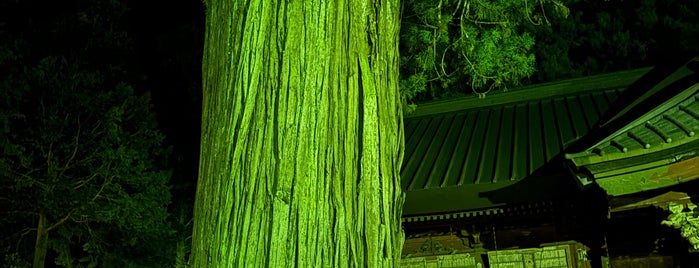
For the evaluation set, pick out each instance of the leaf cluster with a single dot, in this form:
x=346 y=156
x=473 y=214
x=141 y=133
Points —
x=460 y=46
x=686 y=222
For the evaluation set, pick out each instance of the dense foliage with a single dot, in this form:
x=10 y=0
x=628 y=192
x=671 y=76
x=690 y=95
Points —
x=79 y=147
x=458 y=46
x=687 y=222
x=452 y=47
x=606 y=36
x=83 y=156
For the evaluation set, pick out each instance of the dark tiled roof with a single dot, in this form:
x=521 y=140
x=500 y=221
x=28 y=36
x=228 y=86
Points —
x=646 y=151
x=497 y=144
x=452 y=157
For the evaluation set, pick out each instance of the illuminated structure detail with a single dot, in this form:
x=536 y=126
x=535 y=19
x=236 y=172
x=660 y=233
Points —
x=651 y=142
x=511 y=163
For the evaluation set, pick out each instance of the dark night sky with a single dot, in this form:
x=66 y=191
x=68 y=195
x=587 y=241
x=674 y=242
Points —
x=169 y=40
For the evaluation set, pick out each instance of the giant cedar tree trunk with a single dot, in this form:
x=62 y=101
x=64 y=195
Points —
x=302 y=135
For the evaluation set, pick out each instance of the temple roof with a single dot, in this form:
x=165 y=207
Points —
x=458 y=150
x=651 y=143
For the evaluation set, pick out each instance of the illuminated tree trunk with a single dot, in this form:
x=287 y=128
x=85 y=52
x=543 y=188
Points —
x=302 y=135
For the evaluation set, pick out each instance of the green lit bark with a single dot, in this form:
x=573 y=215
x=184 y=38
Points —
x=302 y=135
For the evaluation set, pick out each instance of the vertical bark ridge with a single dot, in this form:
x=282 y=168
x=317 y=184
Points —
x=301 y=135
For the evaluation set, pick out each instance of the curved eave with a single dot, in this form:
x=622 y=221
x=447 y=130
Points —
x=591 y=158
x=672 y=124
x=644 y=178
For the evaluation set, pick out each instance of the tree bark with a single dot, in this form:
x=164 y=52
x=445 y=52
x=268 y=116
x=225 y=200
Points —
x=302 y=135
x=41 y=246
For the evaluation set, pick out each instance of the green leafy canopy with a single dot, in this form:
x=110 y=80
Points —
x=80 y=146
x=453 y=47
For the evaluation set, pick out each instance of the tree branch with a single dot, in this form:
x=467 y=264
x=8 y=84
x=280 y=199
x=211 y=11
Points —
x=26 y=231
x=59 y=222
x=49 y=167
x=94 y=174
x=75 y=151
x=107 y=181
x=26 y=176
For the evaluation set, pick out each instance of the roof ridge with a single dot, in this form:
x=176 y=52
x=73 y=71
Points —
x=569 y=87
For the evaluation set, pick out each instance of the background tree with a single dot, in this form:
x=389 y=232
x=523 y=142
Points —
x=301 y=135
x=452 y=47
x=80 y=169
x=169 y=47
x=483 y=45
x=607 y=36
x=82 y=162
